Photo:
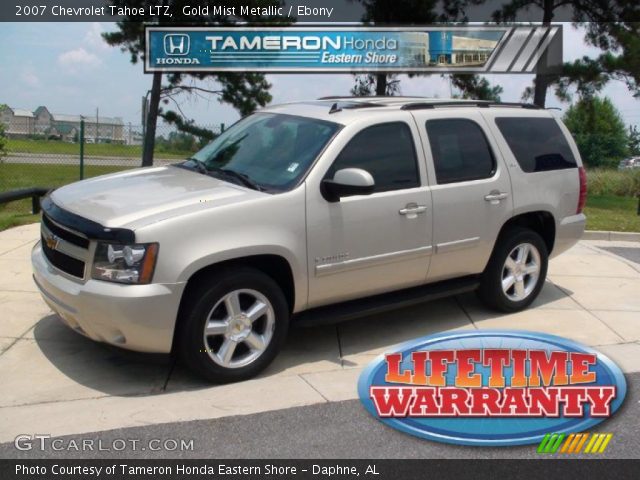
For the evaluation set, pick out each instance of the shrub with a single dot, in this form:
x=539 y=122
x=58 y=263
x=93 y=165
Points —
x=622 y=183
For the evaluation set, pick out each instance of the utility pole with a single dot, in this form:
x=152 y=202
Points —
x=97 y=126
x=81 y=147
x=152 y=119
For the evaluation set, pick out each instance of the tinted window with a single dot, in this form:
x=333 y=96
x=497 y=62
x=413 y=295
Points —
x=537 y=143
x=460 y=150
x=273 y=150
x=387 y=152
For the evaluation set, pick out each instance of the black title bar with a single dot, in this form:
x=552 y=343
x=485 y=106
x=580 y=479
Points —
x=317 y=469
x=300 y=11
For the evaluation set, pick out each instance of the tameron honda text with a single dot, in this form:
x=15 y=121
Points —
x=492 y=387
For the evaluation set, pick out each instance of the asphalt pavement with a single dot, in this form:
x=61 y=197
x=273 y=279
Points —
x=630 y=253
x=329 y=430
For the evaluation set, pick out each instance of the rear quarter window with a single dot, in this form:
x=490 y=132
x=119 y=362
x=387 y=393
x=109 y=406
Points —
x=538 y=144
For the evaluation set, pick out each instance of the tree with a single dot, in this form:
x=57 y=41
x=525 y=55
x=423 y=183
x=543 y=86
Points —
x=367 y=84
x=634 y=141
x=412 y=12
x=598 y=130
x=476 y=88
x=622 y=38
x=3 y=138
x=606 y=28
x=245 y=91
x=389 y=12
x=509 y=13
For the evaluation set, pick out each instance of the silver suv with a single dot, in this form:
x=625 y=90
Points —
x=308 y=213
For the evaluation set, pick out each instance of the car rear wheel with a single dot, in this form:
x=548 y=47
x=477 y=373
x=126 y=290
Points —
x=516 y=271
x=233 y=326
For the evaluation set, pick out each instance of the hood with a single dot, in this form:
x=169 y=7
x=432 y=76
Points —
x=125 y=198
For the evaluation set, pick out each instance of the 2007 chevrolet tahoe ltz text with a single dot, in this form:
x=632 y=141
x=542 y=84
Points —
x=312 y=212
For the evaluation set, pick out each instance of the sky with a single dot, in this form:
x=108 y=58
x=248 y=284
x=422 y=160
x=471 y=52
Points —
x=68 y=68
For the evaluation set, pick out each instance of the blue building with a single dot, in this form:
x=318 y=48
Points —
x=441 y=47
x=449 y=48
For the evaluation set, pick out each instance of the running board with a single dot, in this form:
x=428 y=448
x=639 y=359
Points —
x=362 y=307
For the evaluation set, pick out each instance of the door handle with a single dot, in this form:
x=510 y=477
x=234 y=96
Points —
x=412 y=209
x=495 y=196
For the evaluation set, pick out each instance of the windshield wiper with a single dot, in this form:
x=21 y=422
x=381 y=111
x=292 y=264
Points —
x=242 y=177
x=200 y=165
x=225 y=172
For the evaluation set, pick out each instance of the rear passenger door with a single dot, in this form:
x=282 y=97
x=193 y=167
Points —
x=470 y=186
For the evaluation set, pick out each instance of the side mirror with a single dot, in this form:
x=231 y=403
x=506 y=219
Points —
x=346 y=183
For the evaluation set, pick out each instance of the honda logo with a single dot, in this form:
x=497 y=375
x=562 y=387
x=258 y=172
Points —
x=176 y=44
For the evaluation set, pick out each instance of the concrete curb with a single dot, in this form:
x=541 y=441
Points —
x=611 y=236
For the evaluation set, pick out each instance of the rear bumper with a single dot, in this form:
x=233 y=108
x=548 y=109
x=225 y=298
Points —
x=135 y=317
x=568 y=233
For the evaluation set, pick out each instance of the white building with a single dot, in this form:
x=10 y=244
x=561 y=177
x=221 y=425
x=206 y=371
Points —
x=22 y=123
x=18 y=122
x=96 y=129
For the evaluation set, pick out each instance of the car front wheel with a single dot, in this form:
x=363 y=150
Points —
x=233 y=326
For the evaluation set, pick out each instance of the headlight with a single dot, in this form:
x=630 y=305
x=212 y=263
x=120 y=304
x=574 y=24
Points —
x=125 y=263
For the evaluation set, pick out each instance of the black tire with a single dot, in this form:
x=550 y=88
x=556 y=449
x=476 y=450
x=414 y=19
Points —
x=490 y=291
x=196 y=308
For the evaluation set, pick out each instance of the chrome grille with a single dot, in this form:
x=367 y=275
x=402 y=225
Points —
x=65 y=250
x=65 y=234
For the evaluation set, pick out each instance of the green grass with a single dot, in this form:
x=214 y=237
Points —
x=14 y=176
x=10 y=219
x=609 y=212
x=604 y=212
x=53 y=147
x=19 y=175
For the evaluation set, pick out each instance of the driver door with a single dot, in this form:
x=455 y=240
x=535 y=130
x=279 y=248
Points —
x=368 y=244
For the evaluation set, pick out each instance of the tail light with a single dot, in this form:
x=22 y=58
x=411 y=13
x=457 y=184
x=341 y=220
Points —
x=582 y=199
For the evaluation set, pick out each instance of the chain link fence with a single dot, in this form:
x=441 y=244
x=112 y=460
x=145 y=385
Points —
x=50 y=157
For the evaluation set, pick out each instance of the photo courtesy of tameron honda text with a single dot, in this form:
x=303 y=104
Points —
x=301 y=235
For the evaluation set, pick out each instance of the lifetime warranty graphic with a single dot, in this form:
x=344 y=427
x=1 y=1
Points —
x=492 y=387
x=528 y=49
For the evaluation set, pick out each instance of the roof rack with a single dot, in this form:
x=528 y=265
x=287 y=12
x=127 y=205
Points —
x=348 y=105
x=359 y=97
x=468 y=103
x=337 y=97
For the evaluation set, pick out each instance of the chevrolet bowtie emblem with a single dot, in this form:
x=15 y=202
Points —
x=51 y=241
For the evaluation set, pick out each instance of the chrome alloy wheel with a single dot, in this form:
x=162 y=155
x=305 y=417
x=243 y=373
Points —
x=521 y=272
x=239 y=328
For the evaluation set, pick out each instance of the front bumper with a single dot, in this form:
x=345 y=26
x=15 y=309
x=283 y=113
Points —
x=135 y=317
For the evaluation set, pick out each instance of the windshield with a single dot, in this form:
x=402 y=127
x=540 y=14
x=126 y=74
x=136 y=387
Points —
x=271 y=150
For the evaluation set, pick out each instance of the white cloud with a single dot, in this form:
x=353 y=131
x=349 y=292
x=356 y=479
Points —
x=78 y=57
x=93 y=38
x=30 y=79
